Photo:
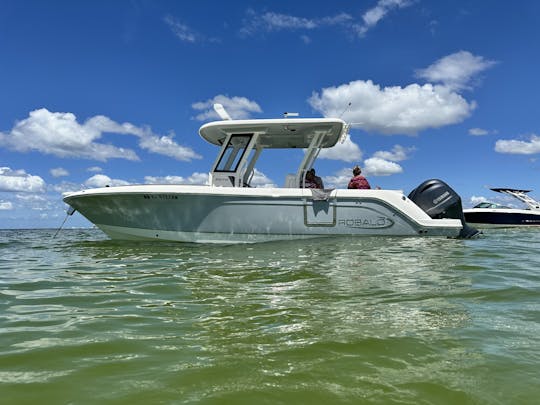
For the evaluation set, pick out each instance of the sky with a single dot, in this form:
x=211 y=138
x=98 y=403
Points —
x=96 y=93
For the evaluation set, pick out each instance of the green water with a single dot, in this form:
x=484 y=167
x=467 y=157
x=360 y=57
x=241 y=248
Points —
x=334 y=321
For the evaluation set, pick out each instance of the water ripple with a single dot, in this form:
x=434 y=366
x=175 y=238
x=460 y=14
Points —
x=337 y=320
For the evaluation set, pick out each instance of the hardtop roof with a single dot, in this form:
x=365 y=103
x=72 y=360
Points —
x=277 y=133
x=515 y=190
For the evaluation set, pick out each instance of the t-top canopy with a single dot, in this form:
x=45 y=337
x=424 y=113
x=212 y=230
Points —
x=502 y=190
x=278 y=133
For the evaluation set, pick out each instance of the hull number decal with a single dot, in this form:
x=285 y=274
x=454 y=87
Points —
x=160 y=197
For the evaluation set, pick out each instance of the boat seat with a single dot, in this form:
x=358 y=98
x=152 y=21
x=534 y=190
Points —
x=290 y=181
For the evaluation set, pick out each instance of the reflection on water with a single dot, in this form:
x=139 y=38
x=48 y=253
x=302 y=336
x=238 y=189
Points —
x=375 y=320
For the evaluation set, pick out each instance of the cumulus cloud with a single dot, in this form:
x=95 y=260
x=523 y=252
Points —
x=59 y=172
x=101 y=180
x=94 y=169
x=375 y=14
x=397 y=154
x=195 y=179
x=393 y=110
x=456 y=71
x=66 y=186
x=6 y=205
x=261 y=180
x=166 y=146
x=339 y=180
x=60 y=134
x=373 y=166
x=19 y=180
x=477 y=200
x=348 y=151
x=237 y=107
x=376 y=166
x=514 y=146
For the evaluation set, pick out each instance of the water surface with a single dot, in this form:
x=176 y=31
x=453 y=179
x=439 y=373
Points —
x=340 y=320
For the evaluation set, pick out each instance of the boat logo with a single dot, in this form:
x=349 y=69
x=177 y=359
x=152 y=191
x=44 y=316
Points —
x=441 y=197
x=377 y=222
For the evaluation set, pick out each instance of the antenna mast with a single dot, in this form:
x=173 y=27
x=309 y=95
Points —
x=345 y=110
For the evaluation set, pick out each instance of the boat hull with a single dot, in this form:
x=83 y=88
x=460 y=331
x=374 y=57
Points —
x=502 y=217
x=229 y=215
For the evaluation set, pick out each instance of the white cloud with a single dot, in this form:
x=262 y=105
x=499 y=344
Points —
x=455 y=71
x=397 y=154
x=393 y=110
x=61 y=135
x=478 y=131
x=165 y=145
x=513 y=146
x=185 y=33
x=94 y=169
x=101 y=180
x=371 y=167
x=196 y=178
x=19 y=180
x=348 y=151
x=66 y=186
x=380 y=167
x=261 y=180
x=273 y=22
x=270 y=21
x=477 y=200
x=237 y=107
x=6 y=205
x=59 y=172
x=375 y=14
x=31 y=197
x=338 y=180
x=180 y=30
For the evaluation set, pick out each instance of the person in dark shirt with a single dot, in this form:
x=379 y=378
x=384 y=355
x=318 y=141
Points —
x=317 y=179
x=311 y=180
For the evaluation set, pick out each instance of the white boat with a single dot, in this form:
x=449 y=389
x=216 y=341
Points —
x=497 y=215
x=229 y=210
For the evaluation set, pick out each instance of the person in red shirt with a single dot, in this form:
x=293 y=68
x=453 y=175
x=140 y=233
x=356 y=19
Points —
x=358 y=181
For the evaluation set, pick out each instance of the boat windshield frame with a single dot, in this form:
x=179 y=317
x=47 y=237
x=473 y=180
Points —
x=488 y=205
x=232 y=153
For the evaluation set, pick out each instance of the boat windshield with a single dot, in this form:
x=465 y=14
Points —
x=233 y=153
x=489 y=205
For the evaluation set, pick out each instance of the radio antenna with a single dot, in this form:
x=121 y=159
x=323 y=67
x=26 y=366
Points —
x=345 y=110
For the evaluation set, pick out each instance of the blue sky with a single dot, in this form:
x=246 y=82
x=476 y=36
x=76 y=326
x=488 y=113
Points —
x=113 y=92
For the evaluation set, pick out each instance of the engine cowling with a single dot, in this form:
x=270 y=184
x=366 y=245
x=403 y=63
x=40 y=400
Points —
x=439 y=200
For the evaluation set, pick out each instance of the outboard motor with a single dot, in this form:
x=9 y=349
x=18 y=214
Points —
x=438 y=200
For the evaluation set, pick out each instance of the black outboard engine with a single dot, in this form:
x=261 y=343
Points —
x=438 y=200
